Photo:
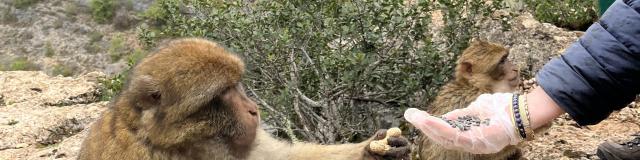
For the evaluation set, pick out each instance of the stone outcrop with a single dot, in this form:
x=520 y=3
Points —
x=46 y=117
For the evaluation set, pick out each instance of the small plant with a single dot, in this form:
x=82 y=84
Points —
x=110 y=87
x=8 y=17
x=24 y=3
x=571 y=14
x=48 y=50
x=102 y=10
x=95 y=36
x=58 y=24
x=71 y=9
x=23 y=64
x=63 y=70
x=93 y=46
x=117 y=48
x=12 y=122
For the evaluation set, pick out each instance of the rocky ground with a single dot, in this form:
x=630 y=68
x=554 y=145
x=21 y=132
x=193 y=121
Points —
x=43 y=117
x=60 y=37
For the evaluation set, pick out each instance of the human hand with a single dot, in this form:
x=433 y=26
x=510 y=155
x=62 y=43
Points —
x=483 y=139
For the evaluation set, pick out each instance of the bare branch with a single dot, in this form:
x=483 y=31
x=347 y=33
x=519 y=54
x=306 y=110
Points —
x=296 y=100
x=306 y=100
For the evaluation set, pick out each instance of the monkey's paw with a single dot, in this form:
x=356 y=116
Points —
x=389 y=144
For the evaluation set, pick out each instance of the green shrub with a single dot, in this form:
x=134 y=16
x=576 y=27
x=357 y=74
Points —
x=95 y=36
x=571 y=14
x=24 y=3
x=63 y=70
x=23 y=64
x=340 y=62
x=48 y=50
x=102 y=10
x=117 y=48
x=111 y=86
x=93 y=46
x=7 y=17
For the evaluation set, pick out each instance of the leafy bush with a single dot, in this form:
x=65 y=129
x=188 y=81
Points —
x=325 y=71
x=111 y=86
x=102 y=10
x=117 y=48
x=7 y=17
x=63 y=70
x=48 y=50
x=24 y=3
x=23 y=64
x=571 y=14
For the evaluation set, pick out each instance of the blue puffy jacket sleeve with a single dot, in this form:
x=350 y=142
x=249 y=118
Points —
x=600 y=72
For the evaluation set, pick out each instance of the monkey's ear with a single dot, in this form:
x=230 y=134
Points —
x=145 y=91
x=466 y=69
x=478 y=42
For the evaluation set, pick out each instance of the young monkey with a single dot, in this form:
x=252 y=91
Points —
x=482 y=68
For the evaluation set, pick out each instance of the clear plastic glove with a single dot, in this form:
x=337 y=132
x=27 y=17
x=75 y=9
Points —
x=482 y=139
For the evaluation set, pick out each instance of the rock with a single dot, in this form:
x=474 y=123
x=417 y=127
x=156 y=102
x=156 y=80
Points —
x=43 y=127
x=531 y=43
x=574 y=154
x=21 y=145
x=530 y=23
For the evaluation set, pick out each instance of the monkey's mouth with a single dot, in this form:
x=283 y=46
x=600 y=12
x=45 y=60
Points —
x=514 y=81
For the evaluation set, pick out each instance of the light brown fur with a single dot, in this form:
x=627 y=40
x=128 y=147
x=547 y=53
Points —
x=478 y=71
x=186 y=102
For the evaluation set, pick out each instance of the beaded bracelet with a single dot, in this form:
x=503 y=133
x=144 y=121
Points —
x=513 y=120
x=518 y=119
x=524 y=111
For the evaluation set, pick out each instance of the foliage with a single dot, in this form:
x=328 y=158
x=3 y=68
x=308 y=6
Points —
x=102 y=10
x=12 y=122
x=24 y=3
x=325 y=71
x=93 y=46
x=23 y=64
x=7 y=17
x=63 y=70
x=48 y=50
x=111 y=86
x=571 y=14
x=117 y=48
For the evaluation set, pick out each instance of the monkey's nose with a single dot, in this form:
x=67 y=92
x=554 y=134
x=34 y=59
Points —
x=253 y=112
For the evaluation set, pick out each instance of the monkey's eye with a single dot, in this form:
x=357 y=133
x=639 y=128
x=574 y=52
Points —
x=503 y=60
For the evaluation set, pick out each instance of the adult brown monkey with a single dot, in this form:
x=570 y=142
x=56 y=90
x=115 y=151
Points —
x=482 y=68
x=186 y=102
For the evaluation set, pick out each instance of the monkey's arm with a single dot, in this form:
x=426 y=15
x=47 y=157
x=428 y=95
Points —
x=315 y=151
x=267 y=147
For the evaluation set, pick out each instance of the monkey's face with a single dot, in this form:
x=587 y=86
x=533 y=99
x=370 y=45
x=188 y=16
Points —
x=509 y=79
x=246 y=113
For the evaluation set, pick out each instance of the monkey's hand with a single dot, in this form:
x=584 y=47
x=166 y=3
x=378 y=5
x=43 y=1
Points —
x=483 y=139
x=388 y=144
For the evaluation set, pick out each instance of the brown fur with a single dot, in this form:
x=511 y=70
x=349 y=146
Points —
x=478 y=71
x=186 y=102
